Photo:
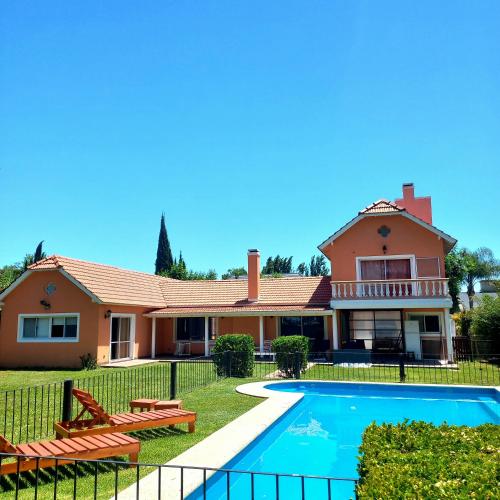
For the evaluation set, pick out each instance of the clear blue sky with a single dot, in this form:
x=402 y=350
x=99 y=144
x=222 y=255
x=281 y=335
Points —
x=250 y=124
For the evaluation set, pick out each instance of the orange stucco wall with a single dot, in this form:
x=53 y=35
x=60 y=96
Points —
x=94 y=328
x=25 y=299
x=362 y=239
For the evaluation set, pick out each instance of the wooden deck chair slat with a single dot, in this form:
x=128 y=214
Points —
x=52 y=447
x=106 y=441
x=25 y=449
x=38 y=449
x=92 y=441
x=6 y=446
x=65 y=446
x=85 y=444
x=114 y=439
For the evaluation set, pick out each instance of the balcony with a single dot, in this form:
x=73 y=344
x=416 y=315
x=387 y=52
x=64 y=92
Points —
x=424 y=288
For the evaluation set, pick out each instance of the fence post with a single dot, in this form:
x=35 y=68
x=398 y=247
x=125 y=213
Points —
x=67 y=407
x=297 y=364
x=402 y=375
x=173 y=379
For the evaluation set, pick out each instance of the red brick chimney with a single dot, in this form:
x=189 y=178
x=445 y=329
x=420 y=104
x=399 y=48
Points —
x=253 y=275
x=420 y=207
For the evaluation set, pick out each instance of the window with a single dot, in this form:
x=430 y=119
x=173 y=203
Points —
x=428 y=267
x=428 y=323
x=48 y=328
x=369 y=327
x=193 y=329
x=385 y=269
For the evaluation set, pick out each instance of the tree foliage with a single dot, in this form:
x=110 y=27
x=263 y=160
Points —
x=234 y=272
x=455 y=272
x=486 y=321
x=278 y=265
x=10 y=272
x=179 y=271
x=478 y=265
x=164 y=260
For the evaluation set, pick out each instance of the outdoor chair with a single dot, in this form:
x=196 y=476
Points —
x=103 y=423
x=90 y=448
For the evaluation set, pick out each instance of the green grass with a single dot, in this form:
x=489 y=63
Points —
x=216 y=405
x=470 y=373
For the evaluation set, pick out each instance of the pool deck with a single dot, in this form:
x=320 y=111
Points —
x=219 y=448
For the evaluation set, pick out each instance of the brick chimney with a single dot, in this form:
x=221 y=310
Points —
x=253 y=275
x=420 y=207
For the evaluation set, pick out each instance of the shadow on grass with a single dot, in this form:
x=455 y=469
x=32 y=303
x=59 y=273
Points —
x=47 y=476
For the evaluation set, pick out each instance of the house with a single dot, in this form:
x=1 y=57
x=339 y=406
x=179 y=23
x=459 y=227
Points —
x=387 y=293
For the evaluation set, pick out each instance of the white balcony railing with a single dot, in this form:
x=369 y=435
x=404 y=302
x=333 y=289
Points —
x=393 y=289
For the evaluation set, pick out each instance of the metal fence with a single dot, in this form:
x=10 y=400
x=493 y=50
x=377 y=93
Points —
x=115 y=478
x=29 y=413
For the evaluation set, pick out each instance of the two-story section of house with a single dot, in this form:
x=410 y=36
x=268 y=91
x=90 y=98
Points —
x=389 y=289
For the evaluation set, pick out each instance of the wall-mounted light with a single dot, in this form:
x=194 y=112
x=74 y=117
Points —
x=45 y=304
x=107 y=314
x=384 y=249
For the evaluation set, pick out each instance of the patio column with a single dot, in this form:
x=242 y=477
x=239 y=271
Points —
x=206 y=336
x=153 y=338
x=261 y=334
x=335 y=332
x=447 y=332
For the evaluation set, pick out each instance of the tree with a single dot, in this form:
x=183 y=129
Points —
x=318 y=266
x=278 y=265
x=39 y=253
x=164 y=260
x=455 y=272
x=234 y=272
x=303 y=269
x=179 y=271
x=486 y=322
x=478 y=265
x=9 y=274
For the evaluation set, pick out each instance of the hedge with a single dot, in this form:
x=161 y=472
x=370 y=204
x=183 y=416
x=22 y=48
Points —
x=234 y=355
x=291 y=354
x=421 y=460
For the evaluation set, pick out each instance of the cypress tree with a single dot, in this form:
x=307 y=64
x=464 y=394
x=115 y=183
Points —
x=39 y=254
x=164 y=258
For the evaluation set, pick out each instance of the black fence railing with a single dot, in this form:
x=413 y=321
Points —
x=29 y=413
x=369 y=367
x=120 y=479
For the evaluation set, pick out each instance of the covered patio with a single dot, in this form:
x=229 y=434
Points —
x=193 y=330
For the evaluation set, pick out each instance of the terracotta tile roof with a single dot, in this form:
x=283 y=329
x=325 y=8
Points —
x=382 y=206
x=114 y=285
x=249 y=309
x=290 y=290
x=109 y=284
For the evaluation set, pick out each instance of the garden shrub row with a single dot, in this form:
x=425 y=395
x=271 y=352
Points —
x=421 y=460
x=234 y=356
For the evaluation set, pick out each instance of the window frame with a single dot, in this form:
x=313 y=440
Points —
x=428 y=313
x=212 y=329
x=49 y=339
x=413 y=269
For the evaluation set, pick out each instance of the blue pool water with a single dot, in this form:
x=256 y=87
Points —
x=321 y=434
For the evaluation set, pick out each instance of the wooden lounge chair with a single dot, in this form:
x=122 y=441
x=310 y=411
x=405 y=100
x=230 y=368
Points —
x=103 y=423
x=91 y=447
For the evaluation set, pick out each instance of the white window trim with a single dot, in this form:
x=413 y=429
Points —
x=174 y=328
x=429 y=313
x=413 y=264
x=47 y=340
x=132 y=335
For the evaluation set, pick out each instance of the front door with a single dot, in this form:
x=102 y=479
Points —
x=121 y=338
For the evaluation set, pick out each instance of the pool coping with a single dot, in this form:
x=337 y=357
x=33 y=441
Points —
x=220 y=447
x=217 y=449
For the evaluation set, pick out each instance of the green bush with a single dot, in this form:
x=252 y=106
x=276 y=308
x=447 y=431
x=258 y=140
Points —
x=421 y=460
x=291 y=354
x=234 y=355
x=486 y=322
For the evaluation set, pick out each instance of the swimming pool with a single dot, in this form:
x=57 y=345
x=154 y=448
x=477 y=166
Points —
x=321 y=434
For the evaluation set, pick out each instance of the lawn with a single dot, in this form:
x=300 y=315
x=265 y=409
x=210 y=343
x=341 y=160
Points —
x=216 y=405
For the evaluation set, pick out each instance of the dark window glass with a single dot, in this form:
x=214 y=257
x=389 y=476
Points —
x=432 y=324
x=29 y=327
x=70 y=329
x=115 y=328
x=192 y=329
x=291 y=325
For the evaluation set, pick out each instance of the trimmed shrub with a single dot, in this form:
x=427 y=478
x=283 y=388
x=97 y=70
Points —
x=234 y=355
x=486 y=322
x=291 y=354
x=421 y=460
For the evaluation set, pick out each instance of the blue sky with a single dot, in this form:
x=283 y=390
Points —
x=250 y=124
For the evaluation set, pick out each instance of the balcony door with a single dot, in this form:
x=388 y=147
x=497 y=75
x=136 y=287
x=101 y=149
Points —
x=383 y=269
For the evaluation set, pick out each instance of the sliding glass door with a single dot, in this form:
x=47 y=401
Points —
x=121 y=337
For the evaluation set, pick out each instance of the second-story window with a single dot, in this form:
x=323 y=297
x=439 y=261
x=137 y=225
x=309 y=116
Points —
x=385 y=269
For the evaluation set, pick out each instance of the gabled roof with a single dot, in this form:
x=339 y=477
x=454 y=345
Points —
x=385 y=208
x=382 y=206
x=113 y=285
x=109 y=284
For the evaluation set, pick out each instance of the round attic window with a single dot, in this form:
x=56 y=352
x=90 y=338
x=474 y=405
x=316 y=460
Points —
x=50 y=288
